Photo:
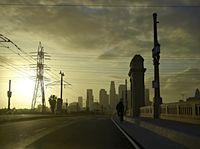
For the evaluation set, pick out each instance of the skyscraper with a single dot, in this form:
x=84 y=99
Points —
x=90 y=99
x=122 y=92
x=103 y=98
x=80 y=101
x=113 y=100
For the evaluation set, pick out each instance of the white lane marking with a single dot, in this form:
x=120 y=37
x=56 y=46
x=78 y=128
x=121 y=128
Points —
x=39 y=130
x=124 y=133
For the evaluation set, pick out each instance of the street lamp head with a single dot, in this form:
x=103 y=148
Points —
x=61 y=73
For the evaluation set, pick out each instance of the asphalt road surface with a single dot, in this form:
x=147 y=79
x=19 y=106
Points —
x=83 y=132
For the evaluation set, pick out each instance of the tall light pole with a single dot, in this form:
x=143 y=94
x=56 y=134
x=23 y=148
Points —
x=156 y=58
x=61 y=83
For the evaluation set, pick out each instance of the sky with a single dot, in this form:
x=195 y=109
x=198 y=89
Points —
x=93 y=42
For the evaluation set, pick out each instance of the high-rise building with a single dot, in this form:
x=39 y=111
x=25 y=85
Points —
x=113 y=96
x=80 y=102
x=90 y=99
x=73 y=107
x=147 y=101
x=103 y=98
x=136 y=74
x=122 y=92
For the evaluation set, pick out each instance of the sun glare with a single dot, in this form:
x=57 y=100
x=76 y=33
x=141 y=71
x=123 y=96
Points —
x=25 y=87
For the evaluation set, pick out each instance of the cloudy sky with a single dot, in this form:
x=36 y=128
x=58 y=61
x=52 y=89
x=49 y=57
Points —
x=93 y=42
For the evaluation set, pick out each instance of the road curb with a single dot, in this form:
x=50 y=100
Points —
x=133 y=142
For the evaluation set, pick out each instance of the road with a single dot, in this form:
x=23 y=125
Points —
x=83 y=132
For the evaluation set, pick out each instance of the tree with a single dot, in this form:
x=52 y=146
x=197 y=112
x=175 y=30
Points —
x=52 y=102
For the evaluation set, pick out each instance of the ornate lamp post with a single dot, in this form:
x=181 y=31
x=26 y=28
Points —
x=156 y=58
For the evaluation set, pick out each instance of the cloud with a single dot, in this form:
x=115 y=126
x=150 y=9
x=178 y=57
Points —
x=4 y=60
x=71 y=27
x=94 y=44
x=108 y=55
x=89 y=28
x=176 y=30
x=174 y=85
x=182 y=83
x=117 y=77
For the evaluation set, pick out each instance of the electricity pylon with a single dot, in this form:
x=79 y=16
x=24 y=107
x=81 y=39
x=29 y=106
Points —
x=39 y=81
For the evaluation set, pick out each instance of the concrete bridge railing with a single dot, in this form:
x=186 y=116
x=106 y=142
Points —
x=181 y=111
x=146 y=111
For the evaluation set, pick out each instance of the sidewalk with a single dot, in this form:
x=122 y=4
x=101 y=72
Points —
x=156 y=134
x=186 y=128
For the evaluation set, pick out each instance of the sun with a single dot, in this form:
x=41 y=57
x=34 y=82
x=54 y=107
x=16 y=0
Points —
x=22 y=92
x=25 y=87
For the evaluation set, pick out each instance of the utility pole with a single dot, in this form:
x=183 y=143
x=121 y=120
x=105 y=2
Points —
x=60 y=100
x=156 y=58
x=9 y=94
x=61 y=84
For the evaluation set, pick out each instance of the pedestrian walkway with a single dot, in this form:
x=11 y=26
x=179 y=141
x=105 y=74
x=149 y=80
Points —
x=163 y=134
x=186 y=128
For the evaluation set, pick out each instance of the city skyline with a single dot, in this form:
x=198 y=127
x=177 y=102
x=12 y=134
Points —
x=93 y=45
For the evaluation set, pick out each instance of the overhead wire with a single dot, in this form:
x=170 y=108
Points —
x=92 y=5
x=108 y=5
x=18 y=54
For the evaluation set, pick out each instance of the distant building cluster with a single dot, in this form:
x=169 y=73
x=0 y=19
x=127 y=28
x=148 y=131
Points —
x=133 y=99
x=108 y=100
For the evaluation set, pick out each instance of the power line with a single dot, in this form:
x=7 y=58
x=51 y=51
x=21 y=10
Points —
x=29 y=60
x=21 y=71
x=100 y=5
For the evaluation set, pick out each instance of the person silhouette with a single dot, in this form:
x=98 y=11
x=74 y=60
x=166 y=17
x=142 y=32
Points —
x=120 y=110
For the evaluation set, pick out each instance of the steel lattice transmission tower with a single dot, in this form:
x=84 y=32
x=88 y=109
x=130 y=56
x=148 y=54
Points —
x=39 y=81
